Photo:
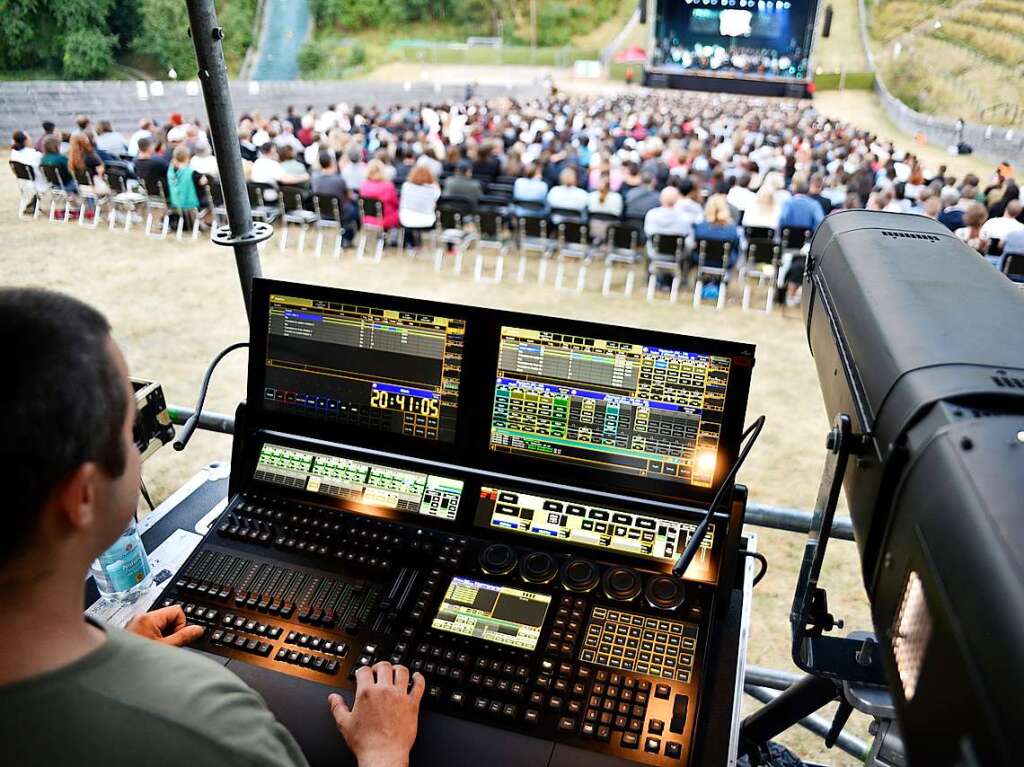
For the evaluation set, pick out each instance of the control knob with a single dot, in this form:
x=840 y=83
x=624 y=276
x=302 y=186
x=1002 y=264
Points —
x=538 y=567
x=665 y=592
x=497 y=559
x=621 y=583
x=580 y=575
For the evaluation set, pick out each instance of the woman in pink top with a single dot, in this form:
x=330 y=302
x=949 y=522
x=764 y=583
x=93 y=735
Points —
x=377 y=187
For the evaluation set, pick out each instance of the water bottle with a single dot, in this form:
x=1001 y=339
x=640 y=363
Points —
x=122 y=571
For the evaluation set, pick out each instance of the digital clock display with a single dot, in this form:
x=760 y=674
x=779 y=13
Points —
x=405 y=400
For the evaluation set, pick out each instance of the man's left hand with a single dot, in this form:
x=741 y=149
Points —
x=165 y=625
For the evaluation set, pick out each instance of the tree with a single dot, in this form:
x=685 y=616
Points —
x=88 y=54
x=164 y=35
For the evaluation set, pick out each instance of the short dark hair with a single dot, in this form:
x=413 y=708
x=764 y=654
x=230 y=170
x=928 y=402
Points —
x=145 y=143
x=267 y=147
x=326 y=158
x=19 y=139
x=64 y=403
x=48 y=126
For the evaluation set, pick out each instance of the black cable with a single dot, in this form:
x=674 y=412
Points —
x=145 y=494
x=698 y=535
x=764 y=564
x=193 y=421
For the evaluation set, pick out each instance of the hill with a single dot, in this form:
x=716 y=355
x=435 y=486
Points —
x=956 y=58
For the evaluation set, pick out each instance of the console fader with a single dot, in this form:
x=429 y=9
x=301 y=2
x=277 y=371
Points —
x=541 y=606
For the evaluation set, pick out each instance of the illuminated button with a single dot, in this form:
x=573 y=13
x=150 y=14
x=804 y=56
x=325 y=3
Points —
x=656 y=727
x=652 y=745
x=662 y=691
x=673 y=750
x=630 y=740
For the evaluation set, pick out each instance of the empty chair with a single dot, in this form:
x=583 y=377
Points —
x=573 y=245
x=371 y=218
x=260 y=201
x=534 y=237
x=61 y=188
x=712 y=264
x=293 y=211
x=492 y=234
x=622 y=245
x=760 y=264
x=27 y=190
x=665 y=257
x=454 y=215
x=156 y=207
x=89 y=198
x=328 y=216
x=794 y=241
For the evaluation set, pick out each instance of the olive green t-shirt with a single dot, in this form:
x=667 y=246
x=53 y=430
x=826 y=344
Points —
x=136 y=702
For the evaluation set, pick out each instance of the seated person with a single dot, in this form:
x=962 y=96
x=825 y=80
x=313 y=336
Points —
x=71 y=475
x=268 y=170
x=462 y=184
x=604 y=201
x=110 y=141
x=377 y=187
x=530 y=188
x=642 y=198
x=417 y=207
x=952 y=215
x=718 y=226
x=328 y=180
x=667 y=218
x=292 y=166
x=150 y=166
x=22 y=151
x=567 y=195
x=997 y=227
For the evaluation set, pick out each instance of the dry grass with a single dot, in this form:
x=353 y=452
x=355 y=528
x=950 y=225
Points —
x=173 y=305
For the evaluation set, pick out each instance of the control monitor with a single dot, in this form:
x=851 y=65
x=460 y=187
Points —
x=501 y=614
x=380 y=369
x=610 y=405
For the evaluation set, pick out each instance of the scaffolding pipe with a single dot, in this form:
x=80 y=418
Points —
x=240 y=233
x=820 y=726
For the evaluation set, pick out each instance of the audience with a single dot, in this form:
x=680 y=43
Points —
x=697 y=165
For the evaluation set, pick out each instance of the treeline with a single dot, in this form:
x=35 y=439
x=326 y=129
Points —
x=558 y=21
x=82 y=39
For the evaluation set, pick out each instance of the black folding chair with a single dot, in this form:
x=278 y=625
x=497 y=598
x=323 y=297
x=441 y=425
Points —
x=492 y=234
x=156 y=206
x=61 y=189
x=712 y=263
x=88 y=197
x=123 y=198
x=534 y=237
x=573 y=245
x=1013 y=267
x=292 y=202
x=328 y=216
x=665 y=257
x=370 y=208
x=262 y=201
x=27 y=191
x=622 y=243
x=454 y=217
x=760 y=263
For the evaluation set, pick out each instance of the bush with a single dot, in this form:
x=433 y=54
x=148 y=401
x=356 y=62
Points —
x=554 y=24
x=357 y=56
x=312 y=56
x=88 y=54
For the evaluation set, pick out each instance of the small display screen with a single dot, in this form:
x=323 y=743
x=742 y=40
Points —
x=610 y=405
x=499 y=614
x=359 y=482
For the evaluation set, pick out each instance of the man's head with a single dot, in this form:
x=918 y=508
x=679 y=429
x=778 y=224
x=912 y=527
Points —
x=145 y=147
x=567 y=177
x=48 y=127
x=19 y=139
x=799 y=186
x=68 y=463
x=269 y=150
x=669 y=197
x=464 y=168
x=327 y=162
x=1013 y=208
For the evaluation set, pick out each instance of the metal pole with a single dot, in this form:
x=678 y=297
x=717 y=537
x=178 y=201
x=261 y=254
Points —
x=794 y=520
x=241 y=233
x=820 y=726
x=208 y=420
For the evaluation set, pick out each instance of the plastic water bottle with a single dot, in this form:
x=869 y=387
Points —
x=122 y=571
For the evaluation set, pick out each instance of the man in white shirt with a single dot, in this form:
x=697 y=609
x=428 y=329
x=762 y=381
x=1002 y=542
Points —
x=998 y=228
x=146 y=129
x=740 y=196
x=22 y=151
x=567 y=195
x=688 y=206
x=267 y=170
x=354 y=169
x=110 y=141
x=668 y=218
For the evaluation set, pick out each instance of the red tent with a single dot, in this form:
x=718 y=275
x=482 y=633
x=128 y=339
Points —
x=631 y=54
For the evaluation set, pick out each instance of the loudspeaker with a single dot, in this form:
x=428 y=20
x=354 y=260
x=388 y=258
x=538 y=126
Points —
x=643 y=11
x=827 y=26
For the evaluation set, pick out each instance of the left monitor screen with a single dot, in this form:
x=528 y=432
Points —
x=379 y=369
x=501 y=614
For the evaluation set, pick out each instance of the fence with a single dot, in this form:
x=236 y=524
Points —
x=995 y=143
x=426 y=52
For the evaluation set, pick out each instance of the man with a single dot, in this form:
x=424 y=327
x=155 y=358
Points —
x=354 y=170
x=952 y=215
x=147 y=129
x=643 y=198
x=689 y=206
x=71 y=476
x=327 y=180
x=49 y=129
x=667 y=218
x=567 y=195
x=800 y=211
x=150 y=165
x=110 y=141
x=814 y=192
x=23 y=152
x=997 y=228
x=462 y=184
x=267 y=170
x=740 y=195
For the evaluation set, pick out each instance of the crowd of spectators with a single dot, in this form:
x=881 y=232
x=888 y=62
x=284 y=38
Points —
x=702 y=166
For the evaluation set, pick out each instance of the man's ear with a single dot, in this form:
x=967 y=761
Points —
x=75 y=497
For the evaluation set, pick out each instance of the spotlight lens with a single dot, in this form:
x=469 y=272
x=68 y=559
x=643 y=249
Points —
x=706 y=462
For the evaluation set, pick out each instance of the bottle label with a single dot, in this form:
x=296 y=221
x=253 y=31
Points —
x=128 y=566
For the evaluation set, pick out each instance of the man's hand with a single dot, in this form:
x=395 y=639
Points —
x=165 y=625
x=381 y=726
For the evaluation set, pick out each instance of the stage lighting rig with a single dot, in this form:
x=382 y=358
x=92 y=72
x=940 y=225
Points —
x=920 y=358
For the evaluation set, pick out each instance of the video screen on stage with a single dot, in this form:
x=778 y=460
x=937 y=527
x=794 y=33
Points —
x=501 y=614
x=610 y=405
x=380 y=369
x=770 y=38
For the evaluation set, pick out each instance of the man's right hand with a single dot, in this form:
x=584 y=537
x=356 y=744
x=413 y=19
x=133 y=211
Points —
x=381 y=725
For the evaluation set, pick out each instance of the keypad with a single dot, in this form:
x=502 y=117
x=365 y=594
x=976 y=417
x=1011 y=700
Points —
x=634 y=642
x=308 y=660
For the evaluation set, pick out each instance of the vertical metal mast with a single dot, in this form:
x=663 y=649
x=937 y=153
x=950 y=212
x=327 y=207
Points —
x=241 y=233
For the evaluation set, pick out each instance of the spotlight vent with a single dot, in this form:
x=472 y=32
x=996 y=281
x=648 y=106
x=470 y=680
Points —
x=898 y=235
x=911 y=631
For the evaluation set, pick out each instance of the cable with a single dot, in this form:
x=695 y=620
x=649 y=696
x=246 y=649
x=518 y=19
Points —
x=698 y=535
x=145 y=494
x=764 y=564
x=190 y=425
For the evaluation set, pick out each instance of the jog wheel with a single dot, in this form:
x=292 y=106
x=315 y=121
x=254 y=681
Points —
x=665 y=592
x=621 y=583
x=497 y=559
x=538 y=567
x=580 y=575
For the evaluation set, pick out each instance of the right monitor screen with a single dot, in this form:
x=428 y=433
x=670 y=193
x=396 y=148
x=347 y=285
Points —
x=611 y=405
